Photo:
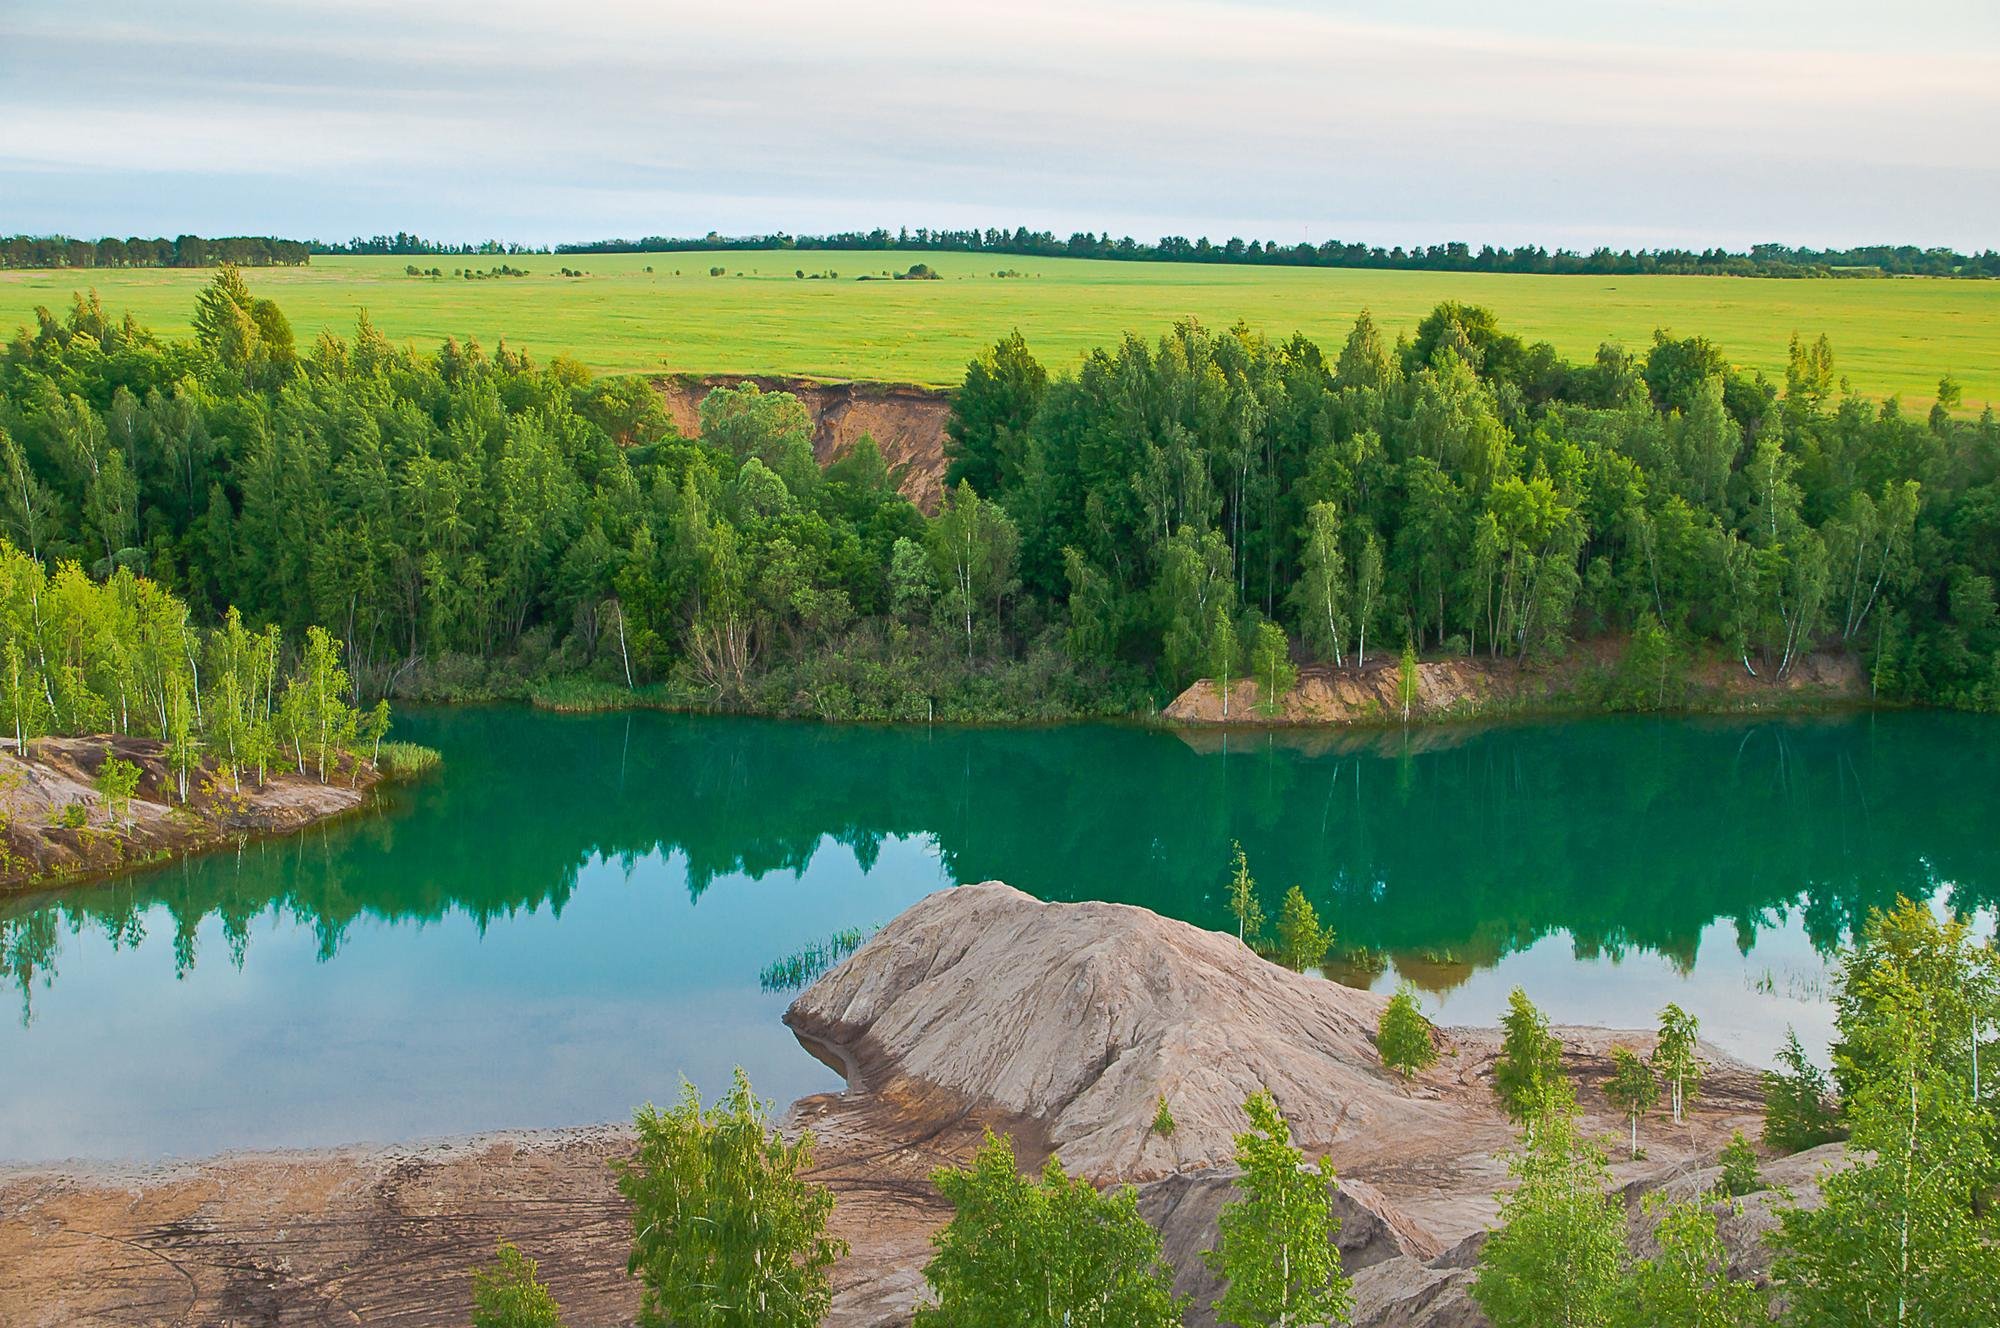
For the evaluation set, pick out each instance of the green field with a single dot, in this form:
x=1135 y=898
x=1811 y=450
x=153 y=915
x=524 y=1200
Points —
x=1889 y=336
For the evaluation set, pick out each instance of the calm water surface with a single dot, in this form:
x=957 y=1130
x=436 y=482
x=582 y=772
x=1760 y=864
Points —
x=578 y=911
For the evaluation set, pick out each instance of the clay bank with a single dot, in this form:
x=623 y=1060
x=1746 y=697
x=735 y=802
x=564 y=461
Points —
x=58 y=823
x=979 y=1007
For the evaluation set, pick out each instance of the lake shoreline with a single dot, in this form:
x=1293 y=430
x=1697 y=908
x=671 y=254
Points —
x=395 y=1228
x=57 y=830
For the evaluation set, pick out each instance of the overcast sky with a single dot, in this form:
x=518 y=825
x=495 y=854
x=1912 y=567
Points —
x=1573 y=122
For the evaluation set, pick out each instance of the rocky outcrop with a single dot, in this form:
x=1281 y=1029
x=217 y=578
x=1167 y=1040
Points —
x=906 y=422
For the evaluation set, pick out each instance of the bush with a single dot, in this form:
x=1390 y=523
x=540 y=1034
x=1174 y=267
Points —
x=117 y=780
x=1163 y=1119
x=1739 y=1167
x=73 y=816
x=1404 y=1037
x=1798 y=1108
x=1302 y=940
x=722 y=1215
x=509 y=1294
x=1049 y=1251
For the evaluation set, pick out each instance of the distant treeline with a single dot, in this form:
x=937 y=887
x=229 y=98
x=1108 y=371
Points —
x=23 y=251
x=406 y=242
x=1764 y=260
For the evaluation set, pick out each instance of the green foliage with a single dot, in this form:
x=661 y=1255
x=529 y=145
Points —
x=727 y=1232
x=1674 y=1059
x=73 y=816
x=1557 y=1259
x=1406 y=680
x=1633 y=1089
x=1243 y=902
x=1277 y=1256
x=1651 y=673
x=1052 y=1253
x=508 y=1293
x=1528 y=1071
x=1906 y=955
x=407 y=760
x=117 y=780
x=1740 y=1175
x=1906 y=1233
x=1798 y=1107
x=470 y=523
x=1404 y=1038
x=1687 y=1283
x=1302 y=940
x=1163 y=1119
x=1271 y=664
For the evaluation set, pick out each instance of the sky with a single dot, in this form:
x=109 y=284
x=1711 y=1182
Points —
x=1558 y=122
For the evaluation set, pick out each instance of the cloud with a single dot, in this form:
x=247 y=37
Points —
x=1624 y=121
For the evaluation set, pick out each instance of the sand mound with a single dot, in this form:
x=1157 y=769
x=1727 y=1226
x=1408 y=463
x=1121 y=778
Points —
x=1080 y=1017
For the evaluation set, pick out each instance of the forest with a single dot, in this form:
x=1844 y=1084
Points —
x=474 y=523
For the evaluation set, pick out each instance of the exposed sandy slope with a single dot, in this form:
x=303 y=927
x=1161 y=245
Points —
x=979 y=1007
x=906 y=422
x=1459 y=687
x=59 y=773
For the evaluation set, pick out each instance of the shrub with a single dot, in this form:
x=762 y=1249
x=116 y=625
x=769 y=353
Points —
x=117 y=780
x=1529 y=1067
x=1048 y=1251
x=1739 y=1167
x=1163 y=1119
x=1302 y=940
x=1404 y=1037
x=73 y=816
x=722 y=1215
x=1798 y=1111
x=509 y=1294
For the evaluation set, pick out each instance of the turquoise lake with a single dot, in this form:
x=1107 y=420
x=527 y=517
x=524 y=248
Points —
x=578 y=910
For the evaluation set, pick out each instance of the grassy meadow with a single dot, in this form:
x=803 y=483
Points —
x=1889 y=336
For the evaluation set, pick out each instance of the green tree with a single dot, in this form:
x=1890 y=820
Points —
x=1954 y=978
x=1302 y=941
x=1367 y=593
x=117 y=780
x=1320 y=595
x=1557 y=1259
x=727 y=1232
x=990 y=414
x=1276 y=1253
x=1271 y=662
x=1406 y=680
x=1674 y=1058
x=1243 y=902
x=508 y=1293
x=1687 y=1283
x=1528 y=1069
x=1222 y=650
x=1404 y=1038
x=1902 y=1236
x=973 y=546
x=1632 y=1089
x=1798 y=1107
x=1052 y=1253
